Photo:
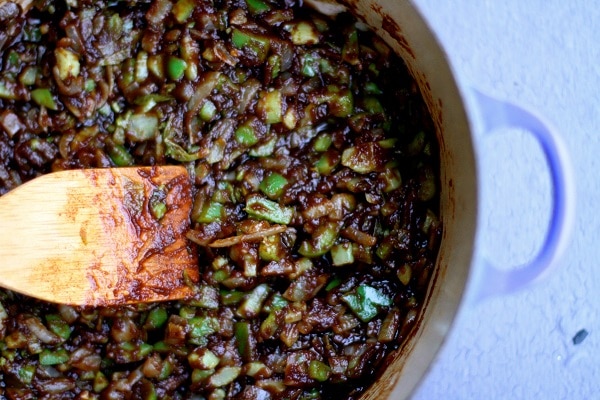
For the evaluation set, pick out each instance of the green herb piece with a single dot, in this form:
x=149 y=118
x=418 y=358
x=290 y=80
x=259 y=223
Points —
x=203 y=326
x=44 y=98
x=339 y=99
x=231 y=297
x=351 y=48
x=261 y=208
x=372 y=105
x=157 y=203
x=427 y=184
x=365 y=301
x=271 y=248
x=100 y=382
x=372 y=88
x=269 y=326
x=200 y=375
x=309 y=66
x=265 y=149
x=327 y=162
x=335 y=282
x=391 y=178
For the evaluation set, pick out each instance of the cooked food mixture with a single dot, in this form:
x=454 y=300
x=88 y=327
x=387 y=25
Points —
x=315 y=172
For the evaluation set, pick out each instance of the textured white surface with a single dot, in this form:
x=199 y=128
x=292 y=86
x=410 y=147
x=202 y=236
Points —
x=544 y=54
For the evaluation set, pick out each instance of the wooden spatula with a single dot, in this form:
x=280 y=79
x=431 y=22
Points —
x=99 y=236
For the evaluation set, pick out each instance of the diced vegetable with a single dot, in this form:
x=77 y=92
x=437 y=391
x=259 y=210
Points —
x=342 y=254
x=273 y=185
x=253 y=302
x=257 y=6
x=43 y=97
x=257 y=44
x=67 y=63
x=270 y=105
x=365 y=302
x=304 y=33
x=261 y=208
x=318 y=370
x=176 y=68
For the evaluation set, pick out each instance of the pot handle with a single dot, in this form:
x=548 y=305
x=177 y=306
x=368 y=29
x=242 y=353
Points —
x=500 y=114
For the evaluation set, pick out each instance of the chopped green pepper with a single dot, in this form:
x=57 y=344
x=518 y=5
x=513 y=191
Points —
x=157 y=317
x=57 y=325
x=261 y=208
x=50 y=357
x=176 y=68
x=243 y=337
x=211 y=211
x=224 y=376
x=257 y=6
x=318 y=370
x=208 y=111
x=183 y=9
x=252 y=304
x=322 y=240
x=44 y=98
x=245 y=135
x=273 y=185
x=119 y=155
x=257 y=44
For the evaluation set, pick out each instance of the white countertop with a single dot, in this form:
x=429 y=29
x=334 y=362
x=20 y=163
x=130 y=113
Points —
x=546 y=55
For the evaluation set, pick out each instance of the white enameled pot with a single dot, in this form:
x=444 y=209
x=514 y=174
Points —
x=462 y=115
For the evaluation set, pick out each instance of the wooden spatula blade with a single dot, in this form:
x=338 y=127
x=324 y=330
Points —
x=100 y=236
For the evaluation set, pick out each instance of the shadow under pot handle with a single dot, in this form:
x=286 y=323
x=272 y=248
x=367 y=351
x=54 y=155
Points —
x=490 y=280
